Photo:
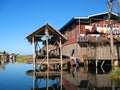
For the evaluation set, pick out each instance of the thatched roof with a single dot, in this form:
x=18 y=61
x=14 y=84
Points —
x=40 y=32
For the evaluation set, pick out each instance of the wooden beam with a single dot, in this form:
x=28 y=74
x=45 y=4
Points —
x=34 y=54
x=46 y=33
x=110 y=5
x=61 y=51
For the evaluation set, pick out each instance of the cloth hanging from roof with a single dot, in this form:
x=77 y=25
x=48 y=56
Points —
x=88 y=27
x=104 y=30
x=93 y=29
x=116 y=31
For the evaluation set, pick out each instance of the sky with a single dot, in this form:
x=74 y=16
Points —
x=19 y=18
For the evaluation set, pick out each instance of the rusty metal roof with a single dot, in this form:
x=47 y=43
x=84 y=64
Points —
x=40 y=32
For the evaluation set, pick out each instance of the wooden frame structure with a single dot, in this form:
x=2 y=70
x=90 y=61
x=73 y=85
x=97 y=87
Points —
x=50 y=33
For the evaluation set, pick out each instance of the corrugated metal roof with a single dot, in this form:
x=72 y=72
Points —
x=88 y=17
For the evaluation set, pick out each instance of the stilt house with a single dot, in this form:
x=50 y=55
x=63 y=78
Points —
x=89 y=37
x=4 y=55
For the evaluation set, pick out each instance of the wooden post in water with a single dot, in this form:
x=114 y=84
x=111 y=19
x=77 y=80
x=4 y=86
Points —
x=47 y=80
x=61 y=61
x=46 y=33
x=110 y=3
x=34 y=62
x=61 y=51
x=34 y=54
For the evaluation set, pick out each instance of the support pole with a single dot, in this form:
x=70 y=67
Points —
x=34 y=62
x=96 y=61
x=61 y=79
x=47 y=80
x=96 y=54
x=109 y=3
x=79 y=27
x=46 y=33
x=61 y=51
x=34 y=54
x=61 y=61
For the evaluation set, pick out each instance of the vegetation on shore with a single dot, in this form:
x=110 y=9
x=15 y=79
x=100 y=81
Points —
x=115 y=74
x=23 y=58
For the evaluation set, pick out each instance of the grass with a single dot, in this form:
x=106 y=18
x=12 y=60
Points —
x=22 y=59
x=115 y=74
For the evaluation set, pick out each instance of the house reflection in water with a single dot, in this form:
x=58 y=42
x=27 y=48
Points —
x=83 y=80
x=2 y=67
x=75 y=79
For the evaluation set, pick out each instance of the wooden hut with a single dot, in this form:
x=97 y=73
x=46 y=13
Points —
x=52 y=41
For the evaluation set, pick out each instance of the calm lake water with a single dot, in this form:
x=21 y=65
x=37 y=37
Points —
x=13 y=76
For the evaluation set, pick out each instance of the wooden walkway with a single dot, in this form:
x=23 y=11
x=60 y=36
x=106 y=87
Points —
x=45 y=73
x=50 y=61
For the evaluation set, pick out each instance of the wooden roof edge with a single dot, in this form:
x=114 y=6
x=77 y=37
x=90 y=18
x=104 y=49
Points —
x=58 y=32
x=34 y=31
x=28 y=37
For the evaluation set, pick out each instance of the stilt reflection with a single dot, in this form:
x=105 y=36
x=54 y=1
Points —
x=47 y=80
x=2 y=67
x=76 y=78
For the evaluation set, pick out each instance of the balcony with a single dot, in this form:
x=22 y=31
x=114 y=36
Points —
x=83 y=39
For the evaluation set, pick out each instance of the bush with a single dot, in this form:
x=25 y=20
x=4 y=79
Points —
x=22 y=59
x=115 y=74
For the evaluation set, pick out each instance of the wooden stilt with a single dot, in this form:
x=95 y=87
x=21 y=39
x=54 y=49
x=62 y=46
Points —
x=61 y=61
x=34 y=62
x=96 y=63
x=110 y=5
x=34 y=54
x=47 y=79
x=61 y=51
x=46 y=33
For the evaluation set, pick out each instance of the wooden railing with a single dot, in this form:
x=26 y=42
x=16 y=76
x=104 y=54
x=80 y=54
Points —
x=83 y=39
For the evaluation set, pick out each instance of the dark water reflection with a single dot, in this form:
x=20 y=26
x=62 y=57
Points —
x=13 y=76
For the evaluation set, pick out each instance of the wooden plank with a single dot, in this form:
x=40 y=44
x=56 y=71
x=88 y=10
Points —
x=43 y=74
x=51 y=61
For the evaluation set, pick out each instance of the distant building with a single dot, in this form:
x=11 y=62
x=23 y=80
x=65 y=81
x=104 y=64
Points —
x=89 y=37
x=4 y=55
x=12 y=56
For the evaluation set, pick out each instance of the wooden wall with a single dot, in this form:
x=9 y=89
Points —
x=91 y=51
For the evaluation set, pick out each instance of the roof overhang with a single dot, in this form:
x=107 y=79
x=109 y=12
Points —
x=40 y=32
x=90 y=17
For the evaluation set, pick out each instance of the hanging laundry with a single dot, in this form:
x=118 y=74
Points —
x=108 y=31
x=82 y=35
x=88 y=27
x=99 y=29
x=102 y=30
x=116 y=31
x=93 y=29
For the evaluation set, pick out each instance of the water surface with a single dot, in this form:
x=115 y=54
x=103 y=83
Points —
x=13 y=77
